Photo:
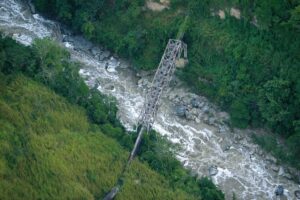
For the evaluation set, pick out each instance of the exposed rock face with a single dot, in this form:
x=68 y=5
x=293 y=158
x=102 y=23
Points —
x=155 y=6
x=235 y=13
x=221 y=14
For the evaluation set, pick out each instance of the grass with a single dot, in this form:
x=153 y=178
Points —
x=49 y=150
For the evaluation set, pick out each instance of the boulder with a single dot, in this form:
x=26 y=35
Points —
x=226 y=147
x=95 y=51
x=112 y=64
x=213 y=170
x=224 y=116
x=279 y=190
x=211 y=120
x=287 y=176
x=206 y=109
x=281 y=171
x=103 y=55
x=110 y=87
x=189 y=115
x=195 y=103
x=180 y=110
x=67 y=38
x=271 y=159
x=259 y=152
x=222 y=129
x=171 y=96
x=275 y=168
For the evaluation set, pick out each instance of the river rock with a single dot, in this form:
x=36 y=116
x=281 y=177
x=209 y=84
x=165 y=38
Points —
x=195 y=103
x=213 y=170
x=281 y=171
x=180 y=110
x=68 y=45
x=287 y=176
x=205 y=119
x=171 y=96
x=297 y=194
x=222 y=129
x=279 y=190
x=110 y=87
x=226 y=147
x=238 y=137
x=275 y=168
x=95 y=51
x=211 y=120
x=67 y=38
x=144 y=83
x=206 y=109
x=82 y=43
x=189 y=115
x=112 y=64
x=259 y=152
x=124 y=64
x=271 y=159
x=103 y=55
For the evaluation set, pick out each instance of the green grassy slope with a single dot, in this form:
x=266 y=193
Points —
x=48 y=150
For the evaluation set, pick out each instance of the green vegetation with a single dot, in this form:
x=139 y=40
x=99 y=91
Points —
x=70 y=147
x=48 y=151
x=250 y=71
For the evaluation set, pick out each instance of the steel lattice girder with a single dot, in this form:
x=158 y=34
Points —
x=161 y=80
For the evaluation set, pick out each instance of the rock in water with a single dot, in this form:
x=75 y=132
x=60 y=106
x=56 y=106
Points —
x=213 y=170
x=297 y=194
x=279 y=190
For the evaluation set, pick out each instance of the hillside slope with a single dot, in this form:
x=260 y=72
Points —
x=48 y=150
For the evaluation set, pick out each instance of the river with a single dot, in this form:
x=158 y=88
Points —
x=206 y=144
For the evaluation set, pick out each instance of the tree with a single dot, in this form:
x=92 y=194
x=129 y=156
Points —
x=274 y=98
x=239 y=114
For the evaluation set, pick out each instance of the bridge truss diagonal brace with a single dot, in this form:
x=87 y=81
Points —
x=161 y=80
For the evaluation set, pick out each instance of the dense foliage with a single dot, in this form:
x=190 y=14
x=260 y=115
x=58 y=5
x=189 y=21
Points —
x=249 y=66
x=45 y=138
